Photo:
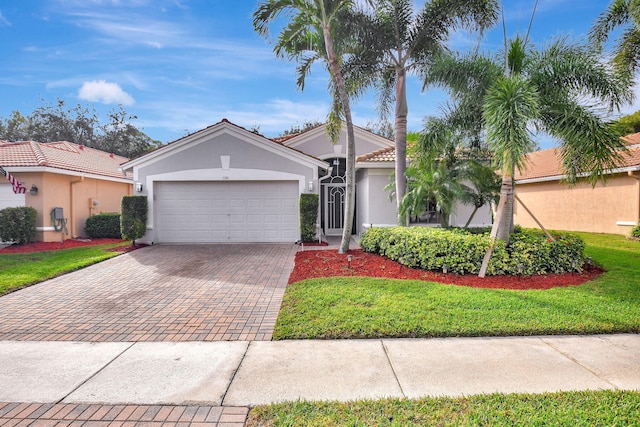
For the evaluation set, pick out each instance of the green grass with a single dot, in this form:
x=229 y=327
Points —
x=357 y=307
x=591 y=408
x=19 y=270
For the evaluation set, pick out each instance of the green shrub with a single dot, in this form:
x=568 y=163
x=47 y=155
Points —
x=18 y=225
x=133 y=220
x=308 y=216
x=636 y=231
x=105 y=225
x=529 y=252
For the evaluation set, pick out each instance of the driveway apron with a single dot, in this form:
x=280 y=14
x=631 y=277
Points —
x=159 y=293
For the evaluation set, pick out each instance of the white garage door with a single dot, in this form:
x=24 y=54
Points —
x=212 y=212
x=9 y=199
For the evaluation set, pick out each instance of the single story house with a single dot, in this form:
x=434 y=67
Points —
x=609 y=207
x=227 y=184
x=65 y=182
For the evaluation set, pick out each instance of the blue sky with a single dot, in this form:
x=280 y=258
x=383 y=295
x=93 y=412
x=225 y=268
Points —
x=181 y=65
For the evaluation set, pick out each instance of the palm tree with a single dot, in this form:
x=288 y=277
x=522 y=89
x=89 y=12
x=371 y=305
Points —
x=445 y=170
x=626 y=50
x=397 y=41
x=563 y=90
x=311 y=35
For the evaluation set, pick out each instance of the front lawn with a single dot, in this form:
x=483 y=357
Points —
x=588 y=408
x=358 y=307
x=22 y=269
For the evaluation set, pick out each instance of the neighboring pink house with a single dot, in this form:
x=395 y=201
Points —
x=81 y=181
x=612 y=207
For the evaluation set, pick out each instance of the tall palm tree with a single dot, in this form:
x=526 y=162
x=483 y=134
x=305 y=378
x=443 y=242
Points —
x=397 y=41
x=623 y=14
x=311 y=35
x=563 y=90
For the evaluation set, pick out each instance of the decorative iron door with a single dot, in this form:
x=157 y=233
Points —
x=334 y=198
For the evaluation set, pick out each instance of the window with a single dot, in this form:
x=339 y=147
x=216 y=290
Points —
x=429 y=216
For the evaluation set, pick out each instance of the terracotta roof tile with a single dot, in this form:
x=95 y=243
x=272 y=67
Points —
x=547 y=163
x=379 y=156
x=633 y=139
x=61 y=155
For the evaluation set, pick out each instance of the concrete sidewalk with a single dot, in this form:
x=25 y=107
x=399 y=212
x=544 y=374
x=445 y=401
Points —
x=244 y=373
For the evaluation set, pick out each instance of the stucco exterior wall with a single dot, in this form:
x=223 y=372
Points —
x=206 y=155
x=603 y=209
x=374 y=206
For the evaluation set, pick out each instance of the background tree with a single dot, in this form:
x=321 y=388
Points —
x=623 y=14
x=297 y=128
x=314 y=31
x=397 y=41
x=80 y=125
x=628 y=124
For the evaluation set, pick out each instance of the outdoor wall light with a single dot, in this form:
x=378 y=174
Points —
x=139 y=187
x=34 y=190
x=310 y=186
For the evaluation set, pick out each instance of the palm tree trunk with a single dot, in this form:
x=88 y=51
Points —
x=475 y=209
x=401 y=139
x=505 y=226
x=350 y=177
x=502 y=222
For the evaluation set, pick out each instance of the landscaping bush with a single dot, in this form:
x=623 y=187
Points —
x=103 y=226
x=636 y=231
x=308 y=216
x=529 y=252
x=18 y=225
x=133 y=220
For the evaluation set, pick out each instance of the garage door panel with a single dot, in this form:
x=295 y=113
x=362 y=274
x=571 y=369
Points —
x=227 y=211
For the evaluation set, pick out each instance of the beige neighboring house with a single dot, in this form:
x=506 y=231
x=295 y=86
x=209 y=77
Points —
x=81 y=181
x=612 y=207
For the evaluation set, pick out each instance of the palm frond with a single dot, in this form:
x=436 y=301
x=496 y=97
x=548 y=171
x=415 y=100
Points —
x=510 y=105
x=616 y=15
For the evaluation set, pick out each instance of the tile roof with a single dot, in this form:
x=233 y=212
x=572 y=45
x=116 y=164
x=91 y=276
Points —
x=633 y=139
x=379 y=156
x=61 y=155
x=547 y=163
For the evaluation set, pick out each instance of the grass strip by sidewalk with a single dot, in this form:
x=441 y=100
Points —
x=583 y=408
x=23 y=269
x=359 y=307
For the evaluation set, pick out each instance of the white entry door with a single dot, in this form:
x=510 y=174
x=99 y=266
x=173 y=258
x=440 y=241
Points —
x=220 y=212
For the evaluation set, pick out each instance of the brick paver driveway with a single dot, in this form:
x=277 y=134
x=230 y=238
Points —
x=159 y=293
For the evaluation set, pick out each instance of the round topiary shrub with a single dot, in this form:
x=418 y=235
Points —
x=103 y=226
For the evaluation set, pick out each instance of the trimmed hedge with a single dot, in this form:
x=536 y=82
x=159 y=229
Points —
x=103 y=226
x=462 y=252
x=18 y=225
x=308 y=216
x=133 y=220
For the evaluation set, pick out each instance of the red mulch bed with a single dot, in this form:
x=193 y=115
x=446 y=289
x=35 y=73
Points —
x=70 y=243
x=328 y=263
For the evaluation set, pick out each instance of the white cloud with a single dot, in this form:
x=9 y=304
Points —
x=3 y=20
x=105 y=92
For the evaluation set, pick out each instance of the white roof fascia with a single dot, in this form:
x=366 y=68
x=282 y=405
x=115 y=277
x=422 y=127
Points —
x=375 y=165
x=18 y=169
x=582 y=175
x=222 y=128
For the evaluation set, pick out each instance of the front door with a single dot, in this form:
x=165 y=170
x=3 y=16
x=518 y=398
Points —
x=334 y=198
